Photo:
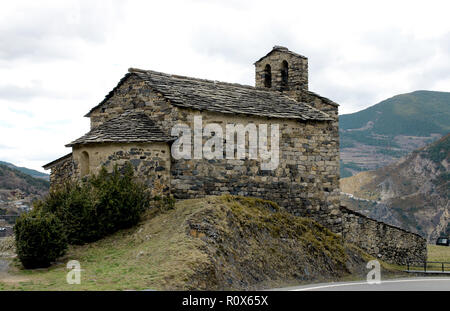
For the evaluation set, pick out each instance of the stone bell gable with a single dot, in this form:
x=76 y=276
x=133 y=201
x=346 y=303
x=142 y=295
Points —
x=287 y=72
x=282 y=70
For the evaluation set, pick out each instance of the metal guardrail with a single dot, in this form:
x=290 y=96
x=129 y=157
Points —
x=442 y=265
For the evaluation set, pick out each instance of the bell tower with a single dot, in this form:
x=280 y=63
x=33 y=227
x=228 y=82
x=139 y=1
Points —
x=282 y=70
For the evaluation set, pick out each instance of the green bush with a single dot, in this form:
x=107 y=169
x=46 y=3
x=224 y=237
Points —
x=40 y=239
x=75 y=205
x=121 y=200
x=98 y=206
x=79 y=213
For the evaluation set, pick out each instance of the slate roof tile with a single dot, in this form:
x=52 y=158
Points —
x=229 y=98
x=131 y=126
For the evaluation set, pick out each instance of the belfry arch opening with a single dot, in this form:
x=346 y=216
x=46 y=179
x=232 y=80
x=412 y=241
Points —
x=267 y=76
x=284 y=75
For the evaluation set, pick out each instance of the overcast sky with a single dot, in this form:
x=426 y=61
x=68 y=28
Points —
x=60 y=58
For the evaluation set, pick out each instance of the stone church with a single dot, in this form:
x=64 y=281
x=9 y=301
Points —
x=133 y=125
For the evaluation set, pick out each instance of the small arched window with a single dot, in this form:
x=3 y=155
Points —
x=267 y=76
x=284 y=74
x=84 y=163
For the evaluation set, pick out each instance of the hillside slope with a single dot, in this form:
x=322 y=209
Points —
x=412 y=193
x=28 y=171
x=381 y=134
x=213 y=243
x=13 y=179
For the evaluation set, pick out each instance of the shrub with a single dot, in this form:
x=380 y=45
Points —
x=163 y=203
x=98 y=206
x=121 y=200
x=40 y=239
x=78 y=213
x=75 y=205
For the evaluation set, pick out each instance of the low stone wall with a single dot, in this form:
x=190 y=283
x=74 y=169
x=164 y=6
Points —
x=383 y=241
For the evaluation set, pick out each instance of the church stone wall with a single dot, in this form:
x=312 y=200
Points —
x=135 y=94
x=306 y=180
x=151 y=161
x=61 y=172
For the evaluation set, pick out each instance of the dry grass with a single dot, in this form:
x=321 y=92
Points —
x=438 y=253
x=356 y=185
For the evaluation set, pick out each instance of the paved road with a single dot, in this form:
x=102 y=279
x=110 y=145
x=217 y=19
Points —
x=409 y=284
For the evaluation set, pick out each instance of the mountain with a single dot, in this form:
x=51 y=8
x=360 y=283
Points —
x=13 y=179
x=32 y=173
x=383 y=133
x=412 y=193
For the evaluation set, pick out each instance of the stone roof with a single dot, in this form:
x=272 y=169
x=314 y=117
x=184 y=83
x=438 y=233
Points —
x=280 y=49
x=59 y=160
x=131 y=126
x=223 y=97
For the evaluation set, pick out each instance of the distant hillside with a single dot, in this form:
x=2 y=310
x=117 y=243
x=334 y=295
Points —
x=381 y=134
x=412 y=193
x=33 y=173
x=12 y=179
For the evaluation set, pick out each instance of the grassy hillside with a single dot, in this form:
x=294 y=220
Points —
x=417 y=114
x=11 y=179
x=382 y=133
x=28 y=171
x=213 y=243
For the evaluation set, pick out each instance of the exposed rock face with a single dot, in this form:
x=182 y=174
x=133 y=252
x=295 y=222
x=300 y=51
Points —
x=252 y=243
x=412 y=193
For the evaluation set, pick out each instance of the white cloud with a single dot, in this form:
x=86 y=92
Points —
x=60 y=58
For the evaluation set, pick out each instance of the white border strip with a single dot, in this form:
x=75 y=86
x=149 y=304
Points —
x=365 y=283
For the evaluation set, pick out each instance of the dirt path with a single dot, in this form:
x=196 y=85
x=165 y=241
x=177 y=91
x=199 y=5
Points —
x=3 y=266
x=5 y=277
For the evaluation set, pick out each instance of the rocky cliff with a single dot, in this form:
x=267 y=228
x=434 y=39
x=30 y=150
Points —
x=412 y=193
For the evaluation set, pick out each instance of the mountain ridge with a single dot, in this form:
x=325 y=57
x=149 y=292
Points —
x=13 y=179
x=383 y=133
x=28 y=171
